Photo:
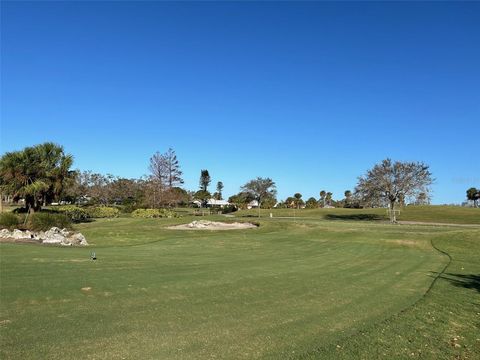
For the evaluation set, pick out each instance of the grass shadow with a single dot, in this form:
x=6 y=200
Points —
x=468 y=281
x=354 y=217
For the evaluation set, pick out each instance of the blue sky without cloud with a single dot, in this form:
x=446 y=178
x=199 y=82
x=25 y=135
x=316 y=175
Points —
x=311 y=94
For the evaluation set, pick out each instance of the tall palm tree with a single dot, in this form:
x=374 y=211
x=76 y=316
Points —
x=323 y=193
x=38 y=174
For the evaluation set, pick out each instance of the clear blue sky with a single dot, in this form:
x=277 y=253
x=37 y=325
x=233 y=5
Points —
x=309 y=94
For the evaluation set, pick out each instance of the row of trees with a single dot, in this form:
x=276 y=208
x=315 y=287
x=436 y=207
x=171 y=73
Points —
x=296 y=201
x=42 y=173
x=203 y=194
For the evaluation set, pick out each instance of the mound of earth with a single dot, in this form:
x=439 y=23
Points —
x=213 y=225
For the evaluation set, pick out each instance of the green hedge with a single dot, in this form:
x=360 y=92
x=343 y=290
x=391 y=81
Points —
x=46 y=220
x=103 y=212
x=9 y=221
x=154 y=213
x=74 y=213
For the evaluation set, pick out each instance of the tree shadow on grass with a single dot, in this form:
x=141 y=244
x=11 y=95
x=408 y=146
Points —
x=355 y=217
x=468 y=281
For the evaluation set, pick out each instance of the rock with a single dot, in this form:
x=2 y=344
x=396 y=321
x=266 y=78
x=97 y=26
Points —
x=78 y=239
x=54 y=236
x=19 y=234
x=28 y=234
x=4 y=234
x=65 y=232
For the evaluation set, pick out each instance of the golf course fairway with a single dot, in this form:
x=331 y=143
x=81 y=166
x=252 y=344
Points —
x=307 y=289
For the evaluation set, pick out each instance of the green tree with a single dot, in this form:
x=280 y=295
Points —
x=241 y=200
x=323 y=193
x=173 y=173
x=260 y=188
x=203 y=196
x=298 y=199
x=348 y=198
x=311 y=203
x=204 y=180
x=219 y=191
x=290 y=202
x=39 y=174
x=473 y=194
x=268 y=202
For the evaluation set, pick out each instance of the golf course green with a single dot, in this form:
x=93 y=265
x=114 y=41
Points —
x=312 y=287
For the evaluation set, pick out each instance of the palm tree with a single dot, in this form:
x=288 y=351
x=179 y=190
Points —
x=298 y=198
x=473 y=194
x=38 y=174
x=323 y=193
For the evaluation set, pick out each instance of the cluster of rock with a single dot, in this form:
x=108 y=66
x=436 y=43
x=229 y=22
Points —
x=53 y=236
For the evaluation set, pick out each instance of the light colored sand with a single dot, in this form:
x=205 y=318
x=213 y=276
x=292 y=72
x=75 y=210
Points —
x=212 y=225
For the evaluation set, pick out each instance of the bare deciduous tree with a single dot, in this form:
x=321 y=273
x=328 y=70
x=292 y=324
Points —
x=165 y=176
x=390 y=181
x=158 y=169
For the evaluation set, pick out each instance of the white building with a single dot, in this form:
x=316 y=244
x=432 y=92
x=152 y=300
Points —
x=215 y=202
x=252 y=204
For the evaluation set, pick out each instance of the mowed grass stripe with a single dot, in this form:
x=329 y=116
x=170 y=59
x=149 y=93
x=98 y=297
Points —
x=276 y=290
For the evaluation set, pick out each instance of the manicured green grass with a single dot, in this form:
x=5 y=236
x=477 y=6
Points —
x=431 y=213
x=285 y=290
x=442 y=325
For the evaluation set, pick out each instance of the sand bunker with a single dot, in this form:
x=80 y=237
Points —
x=213 y=225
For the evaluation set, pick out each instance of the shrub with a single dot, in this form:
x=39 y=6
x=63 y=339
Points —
x=46 y=220
x=74 y=213
x=9 y=221
x=229 y=209
x=154 y=213
x=103 y=212
x=128 y=208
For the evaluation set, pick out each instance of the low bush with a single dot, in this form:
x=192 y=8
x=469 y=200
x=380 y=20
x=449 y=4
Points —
x=229 y=209
x=46 y=220
x=128 y=208
x=9 y=221
x=74 y=213
x=103 y=212
x=154 y=213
